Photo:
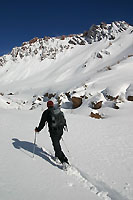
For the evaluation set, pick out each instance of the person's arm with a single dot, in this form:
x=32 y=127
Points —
x=42 y=122
x=65 y=124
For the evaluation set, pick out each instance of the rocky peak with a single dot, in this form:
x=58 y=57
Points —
x=42 y=48
x=50 y=47
x=108 y=31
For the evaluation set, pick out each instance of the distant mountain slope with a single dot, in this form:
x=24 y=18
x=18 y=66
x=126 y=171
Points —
x=85 y=65
x=49 y=47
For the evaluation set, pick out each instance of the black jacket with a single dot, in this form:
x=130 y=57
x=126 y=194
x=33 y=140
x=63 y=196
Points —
x=46 y=117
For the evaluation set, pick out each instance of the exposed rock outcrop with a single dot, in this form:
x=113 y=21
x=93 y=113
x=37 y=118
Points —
x=97 y=33
x=49 y=47
x=95 y=115
x=77 y=101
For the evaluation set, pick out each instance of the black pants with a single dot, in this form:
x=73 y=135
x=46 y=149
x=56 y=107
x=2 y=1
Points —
x=56 y=137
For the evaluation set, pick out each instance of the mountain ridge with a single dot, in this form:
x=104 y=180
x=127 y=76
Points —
x=71 y=70
x=48 y=47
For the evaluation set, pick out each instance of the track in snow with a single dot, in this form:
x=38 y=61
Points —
x=99 y=188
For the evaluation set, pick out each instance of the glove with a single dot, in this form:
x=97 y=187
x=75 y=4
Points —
x=65 y=128
x=36 y=130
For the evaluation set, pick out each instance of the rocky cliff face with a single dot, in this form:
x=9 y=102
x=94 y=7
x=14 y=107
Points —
x=43 y=48
x=108 y=31
x=48 y=47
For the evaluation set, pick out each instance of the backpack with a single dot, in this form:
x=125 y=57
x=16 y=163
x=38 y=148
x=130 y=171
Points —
x=57 y=118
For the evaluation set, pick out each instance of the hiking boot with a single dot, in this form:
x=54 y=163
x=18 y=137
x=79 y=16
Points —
x=65 y=166
x=57 y=160
x=66 y=160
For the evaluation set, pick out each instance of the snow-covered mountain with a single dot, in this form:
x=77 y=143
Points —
x=70 y=66
x=49 y=47
x=90 y=75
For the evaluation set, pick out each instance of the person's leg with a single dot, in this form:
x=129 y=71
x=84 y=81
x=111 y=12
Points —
x=57 y=148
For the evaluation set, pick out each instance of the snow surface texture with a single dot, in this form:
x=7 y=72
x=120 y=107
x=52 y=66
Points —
x=96 y=67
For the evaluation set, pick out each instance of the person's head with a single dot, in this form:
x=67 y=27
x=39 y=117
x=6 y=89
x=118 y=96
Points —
x=50 y=104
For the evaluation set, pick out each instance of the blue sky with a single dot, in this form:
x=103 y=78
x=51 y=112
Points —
x=23 y=20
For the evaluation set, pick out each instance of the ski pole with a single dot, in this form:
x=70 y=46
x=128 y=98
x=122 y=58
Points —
x=66 y=128
x=34 y=145
x=66 y=146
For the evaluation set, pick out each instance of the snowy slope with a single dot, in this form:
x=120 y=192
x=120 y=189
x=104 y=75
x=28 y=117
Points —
x=96 y=67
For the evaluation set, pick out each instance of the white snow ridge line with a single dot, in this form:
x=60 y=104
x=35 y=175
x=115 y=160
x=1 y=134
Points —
x=99 y=188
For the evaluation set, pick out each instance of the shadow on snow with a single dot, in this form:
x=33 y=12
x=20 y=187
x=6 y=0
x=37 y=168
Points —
x=26 y=147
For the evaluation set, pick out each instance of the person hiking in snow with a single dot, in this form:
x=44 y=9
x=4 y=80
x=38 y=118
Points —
x=56 y=127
